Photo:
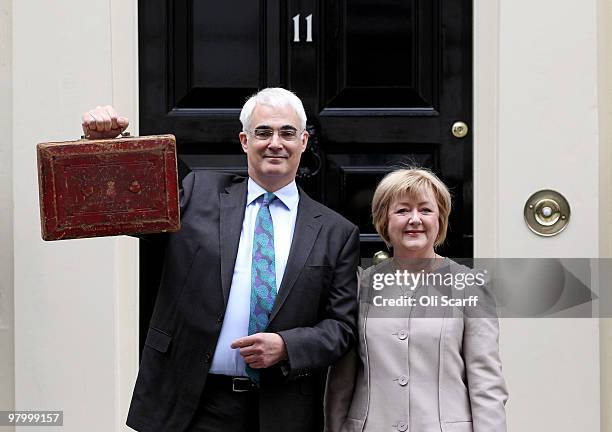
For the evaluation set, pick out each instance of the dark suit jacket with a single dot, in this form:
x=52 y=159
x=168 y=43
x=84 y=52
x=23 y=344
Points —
x=314 y=312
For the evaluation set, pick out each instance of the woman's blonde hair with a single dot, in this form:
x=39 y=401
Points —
x=414 y=182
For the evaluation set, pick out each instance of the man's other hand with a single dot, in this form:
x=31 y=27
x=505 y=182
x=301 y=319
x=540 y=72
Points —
x=261 y=350
x=103 y=123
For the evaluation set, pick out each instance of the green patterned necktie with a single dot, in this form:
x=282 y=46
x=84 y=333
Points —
x=263 y=273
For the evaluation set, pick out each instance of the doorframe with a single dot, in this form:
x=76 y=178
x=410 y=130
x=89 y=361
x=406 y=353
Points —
x=485 y=127
x=486 y=27
x=485 y=139
x=605 y=195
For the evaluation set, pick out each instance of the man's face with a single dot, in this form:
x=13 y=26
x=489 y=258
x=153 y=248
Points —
x=273 y=162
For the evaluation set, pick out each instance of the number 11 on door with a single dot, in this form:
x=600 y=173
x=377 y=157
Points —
x=296 y=28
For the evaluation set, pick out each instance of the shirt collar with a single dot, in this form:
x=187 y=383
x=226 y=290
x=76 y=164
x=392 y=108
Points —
x=288 y=195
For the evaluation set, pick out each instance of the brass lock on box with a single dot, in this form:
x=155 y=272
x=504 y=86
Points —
x=547 y=213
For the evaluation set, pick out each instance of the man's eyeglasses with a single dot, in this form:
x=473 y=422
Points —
x=265 y=134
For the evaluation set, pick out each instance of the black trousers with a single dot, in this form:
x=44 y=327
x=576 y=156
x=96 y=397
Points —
x=222 y=409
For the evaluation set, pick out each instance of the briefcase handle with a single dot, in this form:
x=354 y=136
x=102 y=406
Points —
x=124 y=134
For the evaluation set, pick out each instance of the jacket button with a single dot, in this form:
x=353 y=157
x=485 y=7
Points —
x=402 y=426
x=207 y=358
x=402 y=334
x=402 y=380
x=220 y=318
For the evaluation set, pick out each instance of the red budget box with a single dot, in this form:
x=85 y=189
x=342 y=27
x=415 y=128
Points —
x=94 y=188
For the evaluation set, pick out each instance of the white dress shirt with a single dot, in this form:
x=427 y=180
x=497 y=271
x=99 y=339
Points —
x=228 y=361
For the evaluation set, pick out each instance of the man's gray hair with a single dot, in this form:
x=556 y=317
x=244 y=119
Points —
x=276 y=97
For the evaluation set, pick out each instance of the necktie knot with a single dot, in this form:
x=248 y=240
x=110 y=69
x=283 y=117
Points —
x=268 y=197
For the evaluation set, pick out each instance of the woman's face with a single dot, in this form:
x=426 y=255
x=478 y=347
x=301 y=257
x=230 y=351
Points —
x=413 y=225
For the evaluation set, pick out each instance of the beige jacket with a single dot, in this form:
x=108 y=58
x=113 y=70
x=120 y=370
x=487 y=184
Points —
x=418 y=374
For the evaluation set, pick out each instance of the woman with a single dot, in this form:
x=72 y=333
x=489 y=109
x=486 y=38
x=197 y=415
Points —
x=416 y=368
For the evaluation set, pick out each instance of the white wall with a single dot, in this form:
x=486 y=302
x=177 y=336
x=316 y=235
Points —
x=7 y=377
x=538 y=129
x=75 y=301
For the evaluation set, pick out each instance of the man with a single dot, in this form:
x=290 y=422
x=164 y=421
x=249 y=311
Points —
x=258 y=292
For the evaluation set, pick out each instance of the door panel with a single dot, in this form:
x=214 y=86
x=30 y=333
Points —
x=199 y=61
x=205 y=76
x=380 y=55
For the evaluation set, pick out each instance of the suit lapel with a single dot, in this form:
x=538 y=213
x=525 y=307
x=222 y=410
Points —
x=231 y=214
x=307 y=227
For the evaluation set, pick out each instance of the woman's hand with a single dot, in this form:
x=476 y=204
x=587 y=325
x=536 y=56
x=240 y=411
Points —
x=103 y=123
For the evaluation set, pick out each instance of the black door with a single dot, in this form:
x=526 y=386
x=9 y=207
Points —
x=382 y=81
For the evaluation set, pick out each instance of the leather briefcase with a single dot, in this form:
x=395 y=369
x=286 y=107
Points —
x=94 y=188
